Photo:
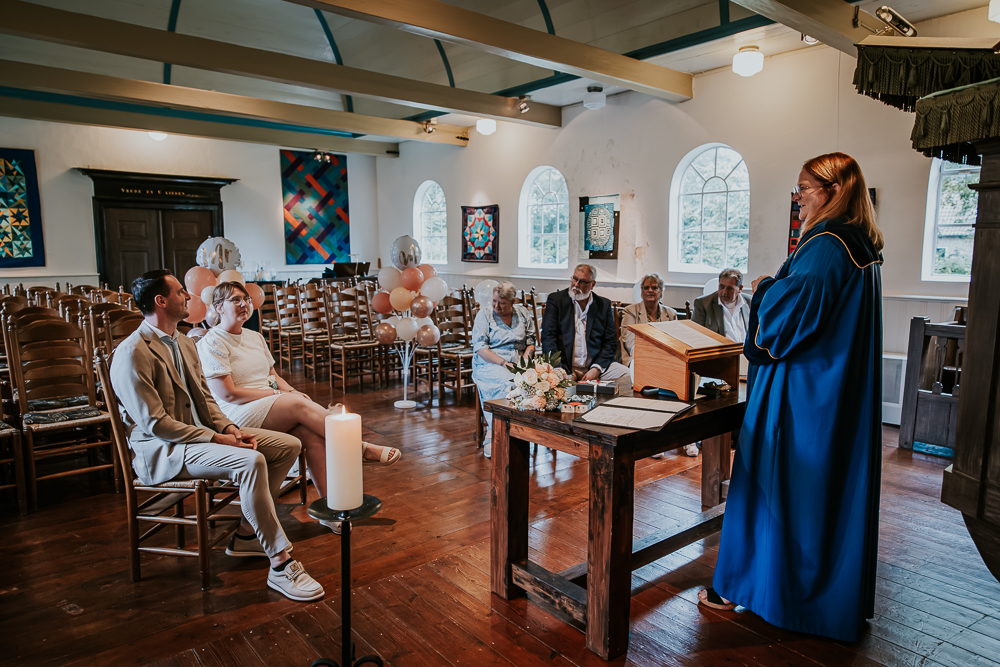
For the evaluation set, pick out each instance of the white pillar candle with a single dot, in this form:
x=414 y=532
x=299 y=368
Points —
x=343 y=461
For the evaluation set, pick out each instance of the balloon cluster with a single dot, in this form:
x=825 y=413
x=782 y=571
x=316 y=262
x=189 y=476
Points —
x=411 y=291
x=218 y=260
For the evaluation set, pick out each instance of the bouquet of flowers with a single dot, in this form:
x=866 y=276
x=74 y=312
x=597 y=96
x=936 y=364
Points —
x=539 y=383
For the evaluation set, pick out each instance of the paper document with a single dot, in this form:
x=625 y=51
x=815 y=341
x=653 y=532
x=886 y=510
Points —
x=649 y=420
x=648 y=404
x=686 y=334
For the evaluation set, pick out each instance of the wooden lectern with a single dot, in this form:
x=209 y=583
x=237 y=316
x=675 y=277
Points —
x=669 y=354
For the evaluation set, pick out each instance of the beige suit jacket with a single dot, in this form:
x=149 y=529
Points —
x=157 y=411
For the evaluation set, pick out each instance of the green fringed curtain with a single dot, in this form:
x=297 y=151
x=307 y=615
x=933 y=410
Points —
x=900 y=76
x=949 y=120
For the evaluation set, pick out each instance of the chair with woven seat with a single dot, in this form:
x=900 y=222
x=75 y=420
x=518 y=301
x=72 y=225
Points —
x=315 y=337
x=352 y=355
x=210 y=497
x=118 y=325
x=286 y=307
x=455 y=345
x=12 y=462
x=268 y=319
x=95 y=321
x=54 y=380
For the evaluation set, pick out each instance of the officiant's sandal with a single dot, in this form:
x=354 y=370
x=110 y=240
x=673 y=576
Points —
x=709 y=598
x=389 y=456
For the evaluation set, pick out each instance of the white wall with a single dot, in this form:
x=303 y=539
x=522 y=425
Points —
x=251 y=206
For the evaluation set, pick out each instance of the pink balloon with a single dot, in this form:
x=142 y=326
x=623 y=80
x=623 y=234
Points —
x=428 y=270
x=385 y=333
x=400 y=298
x=197 y=279
x=412 y=278
x=428 y=335
x=421 y=307
x=256 y=294
x=196 y=310
x=380 y=302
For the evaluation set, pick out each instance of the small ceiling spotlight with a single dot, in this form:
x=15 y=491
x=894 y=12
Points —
x=522 y=104
x=809 y=40
x=158 y=136
x=486 y=126
x=895 y=20
x=429 y=125
x=595 y=98
x=323 y=156
x=748 y=61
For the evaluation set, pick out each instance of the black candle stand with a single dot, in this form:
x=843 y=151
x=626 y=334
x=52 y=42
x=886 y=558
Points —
x=319 y=510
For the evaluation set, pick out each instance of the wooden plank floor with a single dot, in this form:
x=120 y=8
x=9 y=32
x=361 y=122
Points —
x=421 y=592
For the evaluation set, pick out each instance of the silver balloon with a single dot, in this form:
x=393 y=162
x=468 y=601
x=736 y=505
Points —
x=218 y=254
x=405 y=252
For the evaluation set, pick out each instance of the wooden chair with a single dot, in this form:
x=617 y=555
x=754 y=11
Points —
x=683 y=313
x=352 y=355
x=39 y=295
x=286 y=306
x=95 y=321
x=455 y=345
x=54 y=378
x=315 y=336
x=210 y=497
x=12 y=462
x=118 y=325
x=268 y=319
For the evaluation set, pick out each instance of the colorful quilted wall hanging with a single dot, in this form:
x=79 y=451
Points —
x=481 y=233
x=600 y=217
x=317 y=220
x=21 y=242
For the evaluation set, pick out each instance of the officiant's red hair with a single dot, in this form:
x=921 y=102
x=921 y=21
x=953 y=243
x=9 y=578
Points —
x=851 y=202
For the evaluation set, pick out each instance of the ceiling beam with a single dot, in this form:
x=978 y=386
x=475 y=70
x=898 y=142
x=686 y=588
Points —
x=17 y=107
x=829 y=21
x=40 y=78
x=25 y=19
x=438 y=20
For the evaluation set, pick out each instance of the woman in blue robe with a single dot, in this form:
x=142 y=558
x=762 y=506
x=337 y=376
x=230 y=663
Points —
x=800 y=535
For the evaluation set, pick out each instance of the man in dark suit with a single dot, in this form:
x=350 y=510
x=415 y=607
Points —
x=581 y=325
x=727 y=311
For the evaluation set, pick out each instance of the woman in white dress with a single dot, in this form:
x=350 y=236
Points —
x=240 y=373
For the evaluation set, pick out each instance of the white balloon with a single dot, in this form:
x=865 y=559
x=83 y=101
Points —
x=423 y=321
x=405 y=252
x=406 y=328
x=388 y=278
x=219 y=254
x=206 y=295
x=434 y=288
x=394 y=321
x=484 y=292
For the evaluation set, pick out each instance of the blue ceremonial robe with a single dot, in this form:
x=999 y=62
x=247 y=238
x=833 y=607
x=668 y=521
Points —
x=800 y=534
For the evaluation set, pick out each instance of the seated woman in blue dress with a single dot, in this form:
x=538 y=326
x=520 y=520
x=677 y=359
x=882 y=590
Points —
x=502 y=334
x=800 y=539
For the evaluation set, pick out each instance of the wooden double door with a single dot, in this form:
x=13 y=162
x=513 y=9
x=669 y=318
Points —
x=137 y=240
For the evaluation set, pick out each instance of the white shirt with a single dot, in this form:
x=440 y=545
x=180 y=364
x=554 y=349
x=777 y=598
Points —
x=736 y=326
x=581 y=356
x=175 y=352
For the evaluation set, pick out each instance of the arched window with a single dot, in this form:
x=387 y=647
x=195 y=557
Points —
x=710 y=211
x=543 y=220
x=430 y=222
x=948 y=226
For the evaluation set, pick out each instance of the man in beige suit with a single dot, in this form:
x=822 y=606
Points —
x=158 y=378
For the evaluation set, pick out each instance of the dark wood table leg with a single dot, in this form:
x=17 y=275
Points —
x=715 y=466
x=508 y=508
x=609 y=557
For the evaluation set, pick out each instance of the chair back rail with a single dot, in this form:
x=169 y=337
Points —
x=118 y=325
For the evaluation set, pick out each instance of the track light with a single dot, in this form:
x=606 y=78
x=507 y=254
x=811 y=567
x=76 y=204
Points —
x=895 y=20
x=809 y=40
x=522 y=104
x=429 y=126
x=323 y=156
x=595 y=98
x=748 y=61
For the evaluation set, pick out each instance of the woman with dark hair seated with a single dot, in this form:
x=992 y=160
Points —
x=240 y=372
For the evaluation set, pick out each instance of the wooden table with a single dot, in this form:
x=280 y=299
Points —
x=594 y=596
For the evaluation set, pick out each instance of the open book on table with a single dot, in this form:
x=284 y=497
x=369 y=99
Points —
x=647 y=414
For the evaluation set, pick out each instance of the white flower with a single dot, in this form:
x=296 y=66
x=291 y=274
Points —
x=530 y=377
x=542 y=386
